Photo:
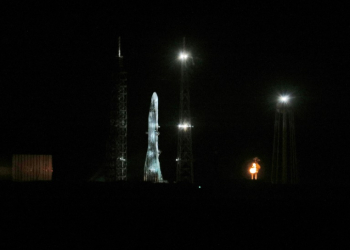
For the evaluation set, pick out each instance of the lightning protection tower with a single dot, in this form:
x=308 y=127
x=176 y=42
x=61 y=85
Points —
x=184 y=171
x=284 y=165
x=116 y=166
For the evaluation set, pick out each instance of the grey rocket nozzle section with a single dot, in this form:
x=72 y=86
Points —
x=152 y=170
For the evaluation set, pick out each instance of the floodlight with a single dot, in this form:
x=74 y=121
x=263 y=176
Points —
x=284 y=99
x=184 y=126
x=183 y=56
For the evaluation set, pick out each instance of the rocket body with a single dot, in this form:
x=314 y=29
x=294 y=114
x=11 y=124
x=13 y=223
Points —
x=152 y=170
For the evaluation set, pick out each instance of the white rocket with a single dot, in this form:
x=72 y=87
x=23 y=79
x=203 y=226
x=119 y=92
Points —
x=152 y=170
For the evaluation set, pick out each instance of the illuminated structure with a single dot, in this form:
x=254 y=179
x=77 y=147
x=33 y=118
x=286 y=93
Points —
x=284 y=166
x=254 y=169
x=116 y=162
x=32 y=167
x=184 y=171
x=152 y=170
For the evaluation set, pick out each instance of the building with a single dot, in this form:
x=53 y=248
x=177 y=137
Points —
x=25 y=167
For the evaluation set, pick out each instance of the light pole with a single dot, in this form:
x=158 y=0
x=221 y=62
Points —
x=184 y=160
x=284 y=150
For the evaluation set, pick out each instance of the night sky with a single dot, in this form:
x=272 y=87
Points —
x=59 y=63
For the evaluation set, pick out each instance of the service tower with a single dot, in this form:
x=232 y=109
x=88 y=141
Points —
x=116 y=162
x=184 y=171
x=284 y=165
x=152 y=170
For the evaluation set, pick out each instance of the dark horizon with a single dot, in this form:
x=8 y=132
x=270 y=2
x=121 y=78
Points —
x=61 y=63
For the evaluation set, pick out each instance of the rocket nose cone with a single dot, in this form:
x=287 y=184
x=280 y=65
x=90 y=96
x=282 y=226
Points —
x=154 y=96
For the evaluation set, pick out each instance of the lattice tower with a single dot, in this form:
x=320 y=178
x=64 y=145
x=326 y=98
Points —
x=116 y=169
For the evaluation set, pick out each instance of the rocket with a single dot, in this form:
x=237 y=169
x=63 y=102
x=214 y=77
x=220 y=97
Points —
x=152 y=170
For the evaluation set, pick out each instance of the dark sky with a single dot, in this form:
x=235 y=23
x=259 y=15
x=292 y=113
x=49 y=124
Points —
x=60 y=60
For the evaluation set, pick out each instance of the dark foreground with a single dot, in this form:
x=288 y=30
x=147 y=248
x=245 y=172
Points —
x=142 y=215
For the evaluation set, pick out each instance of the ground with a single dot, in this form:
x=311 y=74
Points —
x=174 y=216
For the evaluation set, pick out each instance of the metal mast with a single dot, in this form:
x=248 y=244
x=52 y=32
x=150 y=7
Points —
x=184 y=172
x=117 y=143
x=284 y=165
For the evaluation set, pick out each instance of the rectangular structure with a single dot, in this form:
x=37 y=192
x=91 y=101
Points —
x=32 y=167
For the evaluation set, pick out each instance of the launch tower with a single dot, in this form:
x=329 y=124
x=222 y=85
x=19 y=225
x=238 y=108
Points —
x=116 y=166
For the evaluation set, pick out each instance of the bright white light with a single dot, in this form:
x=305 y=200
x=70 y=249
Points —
x=177 y=159
x=284 y=98
x=183 y=56
x=184 y=126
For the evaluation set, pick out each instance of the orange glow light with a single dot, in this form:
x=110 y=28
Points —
x=252 y=170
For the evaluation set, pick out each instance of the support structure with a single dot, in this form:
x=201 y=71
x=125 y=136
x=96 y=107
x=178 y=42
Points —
x=116 y=162
x=152 y=170
x=284 y=165
x=184 y=172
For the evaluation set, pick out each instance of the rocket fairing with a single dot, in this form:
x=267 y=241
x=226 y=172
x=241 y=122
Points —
x=152 y=170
